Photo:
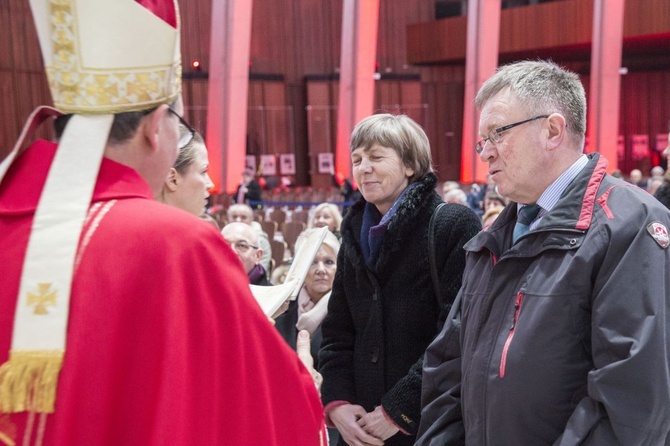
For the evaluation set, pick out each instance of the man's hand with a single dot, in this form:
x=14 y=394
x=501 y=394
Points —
x=377 y=424
x=303 y=347
x=345 y=419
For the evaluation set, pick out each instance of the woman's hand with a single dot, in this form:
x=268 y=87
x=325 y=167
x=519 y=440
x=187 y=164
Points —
x=376 y=423
x=345 y=418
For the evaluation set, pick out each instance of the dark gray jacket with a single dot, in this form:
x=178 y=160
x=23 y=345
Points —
x=563 y=337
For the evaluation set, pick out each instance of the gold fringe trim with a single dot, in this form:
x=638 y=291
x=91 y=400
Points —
x=29 y=379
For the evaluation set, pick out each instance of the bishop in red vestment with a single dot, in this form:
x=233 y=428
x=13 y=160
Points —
x=165 y=344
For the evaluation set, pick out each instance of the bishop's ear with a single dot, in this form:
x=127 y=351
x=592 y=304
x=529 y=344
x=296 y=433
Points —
x=154 y=126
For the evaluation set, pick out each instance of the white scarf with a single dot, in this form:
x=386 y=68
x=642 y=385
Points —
x=311 y=319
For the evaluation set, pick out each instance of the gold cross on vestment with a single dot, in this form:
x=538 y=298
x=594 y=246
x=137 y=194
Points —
x=42 y=298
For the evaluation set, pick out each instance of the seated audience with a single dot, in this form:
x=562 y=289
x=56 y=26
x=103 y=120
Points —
x=449 y=185
x=244 y=241
x=653 y=184
x=243 y=213
x=327 y=214
x=187 y=184
x=477 y=194
x=456 y=196
x=635 y=178
x=493 y=200
x=490 y=216
x=211 y=220
x=657 y=172
x=663 y=192
x=279 y=273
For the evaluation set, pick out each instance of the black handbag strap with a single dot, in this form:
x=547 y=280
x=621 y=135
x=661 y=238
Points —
x=431 y=254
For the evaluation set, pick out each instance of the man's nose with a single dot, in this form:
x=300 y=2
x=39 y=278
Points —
x=488 y=151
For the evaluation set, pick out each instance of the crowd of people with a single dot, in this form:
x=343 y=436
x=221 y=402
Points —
x=532 y=309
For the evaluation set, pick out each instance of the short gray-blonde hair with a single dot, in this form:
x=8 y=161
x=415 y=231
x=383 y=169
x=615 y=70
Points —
x=334 y=211
x=543 y=88
x=400 y=133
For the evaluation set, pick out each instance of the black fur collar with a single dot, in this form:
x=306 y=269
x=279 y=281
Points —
x=419 y=199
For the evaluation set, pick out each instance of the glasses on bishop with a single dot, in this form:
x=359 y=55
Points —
x=187 y=137
x=495 y=134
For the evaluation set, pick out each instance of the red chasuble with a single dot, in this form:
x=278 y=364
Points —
x=165 y=344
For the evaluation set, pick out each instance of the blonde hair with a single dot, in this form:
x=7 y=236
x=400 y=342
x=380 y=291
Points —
x=334 y=211
x=186 y=155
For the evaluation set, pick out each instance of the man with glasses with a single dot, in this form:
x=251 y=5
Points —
x=560 y=332
x=244 y=214
x=244 y=241
x=123 y=320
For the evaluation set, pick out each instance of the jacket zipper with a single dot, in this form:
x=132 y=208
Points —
x=510 y=335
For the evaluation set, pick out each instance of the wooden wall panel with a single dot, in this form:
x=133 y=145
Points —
x=394 y=16
x=443 y=91
x=255 y=120
x=195 y=37
x=318 y=29
x=7 y=46
x=559 y=25
x=646 y=17
x=645 y=109
x=278 y=125
x=9 y=118
x=195 y=100
x=321 y=122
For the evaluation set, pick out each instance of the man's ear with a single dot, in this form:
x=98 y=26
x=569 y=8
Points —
x=556 y=130
x=153 y=128
x=259 y=254
x=172 y=180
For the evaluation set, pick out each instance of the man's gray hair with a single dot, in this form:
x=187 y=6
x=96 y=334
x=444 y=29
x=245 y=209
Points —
x=543 y=88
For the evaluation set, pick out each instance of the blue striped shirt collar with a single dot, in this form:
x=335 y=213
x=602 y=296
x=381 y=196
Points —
x=553 y=193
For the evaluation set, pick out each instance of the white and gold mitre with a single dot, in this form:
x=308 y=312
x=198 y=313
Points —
x=102 y=57
x=98 y=58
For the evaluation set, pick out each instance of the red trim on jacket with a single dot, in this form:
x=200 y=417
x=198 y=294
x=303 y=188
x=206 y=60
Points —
x=510 y=335
x=590 y=195
x=602 y=200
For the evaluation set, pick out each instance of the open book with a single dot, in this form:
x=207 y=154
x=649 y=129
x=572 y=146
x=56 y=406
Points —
x=270 y=298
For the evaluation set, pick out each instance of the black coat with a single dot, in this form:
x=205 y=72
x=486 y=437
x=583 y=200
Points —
x=379 y=324
x=285 y=324
x=663 y=194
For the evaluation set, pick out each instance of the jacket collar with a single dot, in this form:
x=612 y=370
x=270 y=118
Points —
x=573 y=212
x=420 y=199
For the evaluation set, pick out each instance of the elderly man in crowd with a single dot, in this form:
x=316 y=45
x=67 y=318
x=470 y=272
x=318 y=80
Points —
x=561 y=329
